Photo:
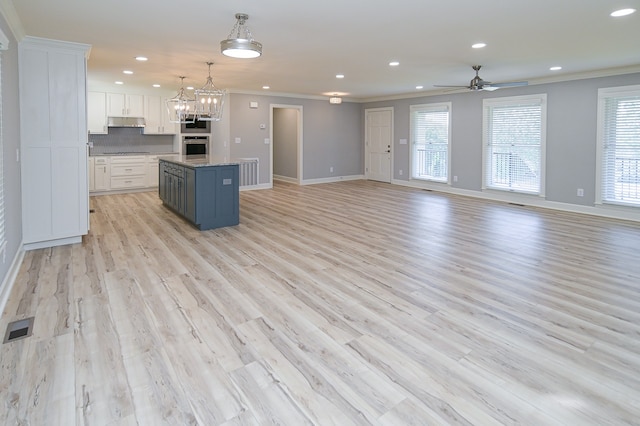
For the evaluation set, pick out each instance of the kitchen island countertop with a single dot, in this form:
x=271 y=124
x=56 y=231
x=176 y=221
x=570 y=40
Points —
x=198 y=160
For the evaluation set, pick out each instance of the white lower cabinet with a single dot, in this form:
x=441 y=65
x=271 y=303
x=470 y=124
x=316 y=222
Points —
x=128 y=172
x=117 y=173
x=152 y=171
x=92 y=169
x=101 y=174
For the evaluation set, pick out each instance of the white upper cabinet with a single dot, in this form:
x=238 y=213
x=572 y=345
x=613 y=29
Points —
x=125 y=105
x=97 y=112
x=156 y=117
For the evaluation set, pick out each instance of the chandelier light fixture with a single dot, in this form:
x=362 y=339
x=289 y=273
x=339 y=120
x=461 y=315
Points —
x=335 y=99
x=181 y=107
x=240 y=42
x=209 y=100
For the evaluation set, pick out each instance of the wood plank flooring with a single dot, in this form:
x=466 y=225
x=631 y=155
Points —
x=348 y=303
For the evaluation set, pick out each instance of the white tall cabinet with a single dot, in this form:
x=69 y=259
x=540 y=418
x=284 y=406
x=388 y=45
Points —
x=53 y=126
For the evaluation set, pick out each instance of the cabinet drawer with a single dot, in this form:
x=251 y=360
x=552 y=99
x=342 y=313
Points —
x=120 y=182
x=101 y=161
x=128 y=159
x=127 y=169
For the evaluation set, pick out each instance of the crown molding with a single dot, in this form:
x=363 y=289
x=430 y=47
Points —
x=11 y=16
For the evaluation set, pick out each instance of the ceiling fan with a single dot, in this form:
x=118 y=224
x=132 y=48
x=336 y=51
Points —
x=478 y=83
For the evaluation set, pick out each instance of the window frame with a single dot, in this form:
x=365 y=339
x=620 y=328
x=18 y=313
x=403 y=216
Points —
x=487 y=104
x=604 y=94
x=432 y=107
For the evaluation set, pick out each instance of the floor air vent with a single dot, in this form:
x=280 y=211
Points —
x=18 y=330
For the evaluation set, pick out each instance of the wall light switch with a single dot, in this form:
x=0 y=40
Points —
x=403 y=141
x=238 y=140
x=253 y=105
x=266 y=141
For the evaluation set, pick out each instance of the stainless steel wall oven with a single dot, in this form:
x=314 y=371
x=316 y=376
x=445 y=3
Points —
x=195 y=145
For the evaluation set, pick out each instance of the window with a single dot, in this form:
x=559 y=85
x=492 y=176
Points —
x=430 y=138
x=619 y=146
x=514 y=131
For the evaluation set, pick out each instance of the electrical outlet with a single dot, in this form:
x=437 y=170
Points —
x=400 y=172
x=455 y=178
x=580 y=192
x=331 y=169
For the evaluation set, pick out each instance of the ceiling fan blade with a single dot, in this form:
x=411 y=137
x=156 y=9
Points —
x=511 y=84
x=448 y=85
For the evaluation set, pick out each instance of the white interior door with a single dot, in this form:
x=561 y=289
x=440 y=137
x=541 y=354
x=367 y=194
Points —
x=378 y=140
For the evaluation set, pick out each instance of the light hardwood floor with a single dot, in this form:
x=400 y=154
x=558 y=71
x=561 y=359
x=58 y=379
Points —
x=344 y=303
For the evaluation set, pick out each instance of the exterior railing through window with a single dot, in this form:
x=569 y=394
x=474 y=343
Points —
x=430 y=161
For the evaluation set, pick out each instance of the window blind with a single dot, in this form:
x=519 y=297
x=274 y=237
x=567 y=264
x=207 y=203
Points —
x=513 y=137
x=430 y=137
x=620 y=146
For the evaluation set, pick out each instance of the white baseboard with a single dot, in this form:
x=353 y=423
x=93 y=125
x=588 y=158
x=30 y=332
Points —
x=611 y=212
x=10 y=278
x=331 y=179
x=254 y=187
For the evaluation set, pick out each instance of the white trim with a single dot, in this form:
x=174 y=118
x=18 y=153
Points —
x=611 y=212
x=604 y=93
x=300 y=142
x=10 y=278
x=332 y=179
x=254 y=187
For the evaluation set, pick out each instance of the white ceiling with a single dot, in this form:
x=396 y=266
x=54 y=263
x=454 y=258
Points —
x=306 y=43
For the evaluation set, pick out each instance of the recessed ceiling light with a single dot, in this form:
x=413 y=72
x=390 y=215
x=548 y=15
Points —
x=119 y=82
x=478 y=45
x=127 y=72
x=266 y=87
x=339 y=75
x=156 y=85
x=394 y=63
x=419 y=87
x=141 y=58
x=622 y=12
x=189 y=87
x=556 y=68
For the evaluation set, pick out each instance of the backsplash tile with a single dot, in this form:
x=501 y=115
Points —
x=124 y=139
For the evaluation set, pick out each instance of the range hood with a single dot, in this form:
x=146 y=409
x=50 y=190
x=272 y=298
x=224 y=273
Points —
x=125 y=122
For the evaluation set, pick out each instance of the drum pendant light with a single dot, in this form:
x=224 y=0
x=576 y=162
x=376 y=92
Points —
x=240 y=42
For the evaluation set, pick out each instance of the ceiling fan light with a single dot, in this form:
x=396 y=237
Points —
x=241 y=48
x=241 y=45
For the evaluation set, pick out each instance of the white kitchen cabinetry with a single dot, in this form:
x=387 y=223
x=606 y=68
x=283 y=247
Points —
x=92 y=168
x=152 y=171
x=125 y=105
x=156 y=117
x=97 y=112
x=53 y=133
x=128 y=172
x=101 y=174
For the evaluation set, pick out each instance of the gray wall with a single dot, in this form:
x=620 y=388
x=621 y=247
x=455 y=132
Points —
x=285 y=142
x=332 y=134
x=11 y=142
x=571 y=134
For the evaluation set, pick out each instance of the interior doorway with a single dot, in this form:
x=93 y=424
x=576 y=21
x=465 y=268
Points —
x=286 y=145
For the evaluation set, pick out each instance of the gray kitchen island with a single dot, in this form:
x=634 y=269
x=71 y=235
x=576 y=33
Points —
x=202 y=189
